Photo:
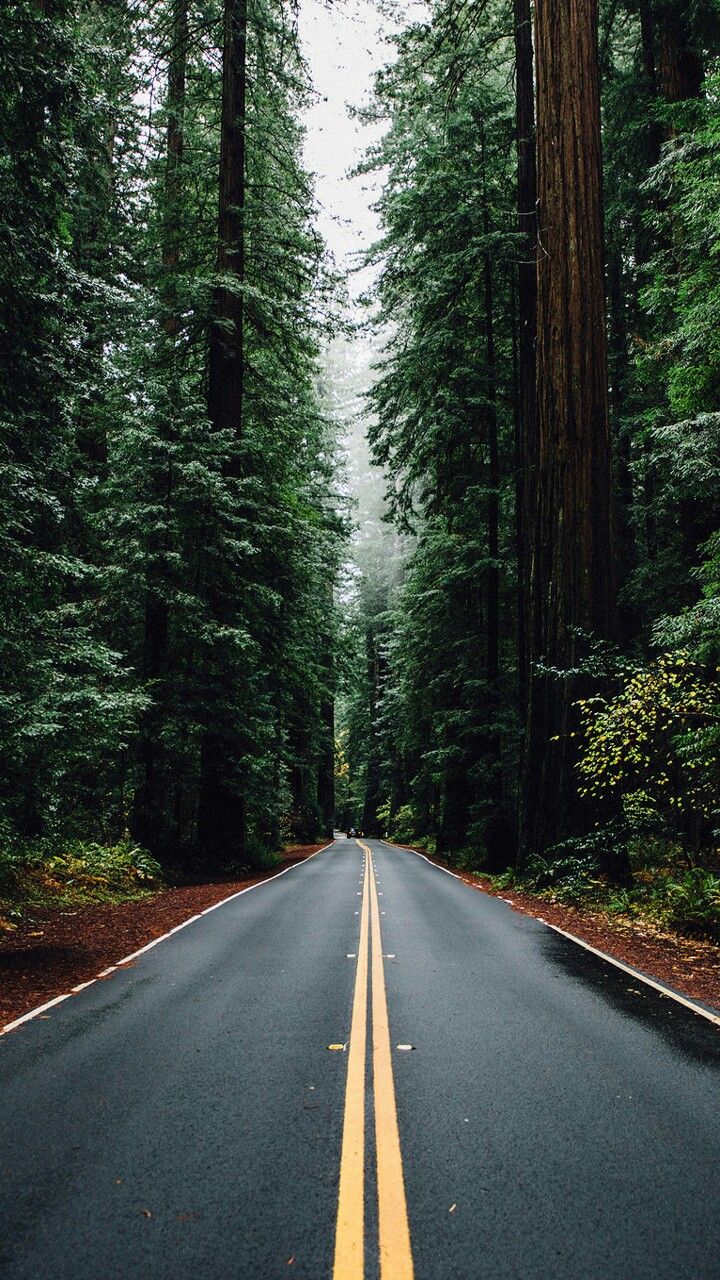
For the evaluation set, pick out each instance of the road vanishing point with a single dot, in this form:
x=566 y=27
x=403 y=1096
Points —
x=362 y=1068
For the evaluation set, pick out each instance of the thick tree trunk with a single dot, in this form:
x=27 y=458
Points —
x=626 y=541
x=497 y=844
x=221 y=807
x=493 y=507
x=679 y=68
x=149 y=822
x=453 y=809
x=526 y=308
x=175 y=145
x=654 y=132
x=572 y=585
x=326 y=771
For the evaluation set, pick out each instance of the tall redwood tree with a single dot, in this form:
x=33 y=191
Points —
x=526 y=317
x=221 y=808
x=148 y=823
x=572 y=580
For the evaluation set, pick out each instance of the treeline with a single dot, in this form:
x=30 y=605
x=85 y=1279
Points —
x=168 y=531
x=542 y=685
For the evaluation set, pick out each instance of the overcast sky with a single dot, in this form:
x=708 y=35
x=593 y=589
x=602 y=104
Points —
x=343 y=44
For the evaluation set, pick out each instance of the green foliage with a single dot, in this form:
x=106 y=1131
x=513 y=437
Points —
x=691 y=903
x=440 y=721
x=576 y=870
x=686 y=901
x=655 y=744
x=72 y=873
x=161 y=581
x=683 y=294
x=505 y=880
x=401 y=826
x=123 y=517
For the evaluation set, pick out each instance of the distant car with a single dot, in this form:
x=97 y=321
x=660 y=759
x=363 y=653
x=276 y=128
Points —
x=351 y=833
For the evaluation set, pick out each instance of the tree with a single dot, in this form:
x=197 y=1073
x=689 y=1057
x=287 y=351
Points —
x=149 y=821
x=572 y=589
x=221 y=809
x=168 y=520
x=441 y=661
x=526 y=462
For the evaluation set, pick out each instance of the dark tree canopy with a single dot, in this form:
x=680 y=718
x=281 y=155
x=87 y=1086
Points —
x=516 y=661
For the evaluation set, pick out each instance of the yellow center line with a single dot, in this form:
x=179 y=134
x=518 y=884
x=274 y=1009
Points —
x=394 y=1232
x=350 y=1229
x=395 y=1253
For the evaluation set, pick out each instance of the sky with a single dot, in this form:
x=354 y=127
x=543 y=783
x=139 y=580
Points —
x=343 y=44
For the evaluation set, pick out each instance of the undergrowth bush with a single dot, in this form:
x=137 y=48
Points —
x=691 y=904
x=46 y=873
x=572 y=878
x=662 y=893
x=403 y=827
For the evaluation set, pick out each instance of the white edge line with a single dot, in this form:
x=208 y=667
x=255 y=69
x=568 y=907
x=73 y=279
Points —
x=50 y=1004
x=641 y=977
x=602 y=955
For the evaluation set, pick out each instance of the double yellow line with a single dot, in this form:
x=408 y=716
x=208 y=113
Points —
x=394 y=1232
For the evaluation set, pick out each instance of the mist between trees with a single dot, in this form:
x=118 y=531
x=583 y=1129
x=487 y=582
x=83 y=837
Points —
x=535 y=671
x=516 y=660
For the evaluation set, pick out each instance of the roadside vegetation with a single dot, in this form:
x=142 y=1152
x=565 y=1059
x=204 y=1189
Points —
x=71 y=874
x=535 y=693
x=170 y=529
x=521 y=664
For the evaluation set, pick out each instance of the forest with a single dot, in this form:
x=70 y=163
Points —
x=506 y=648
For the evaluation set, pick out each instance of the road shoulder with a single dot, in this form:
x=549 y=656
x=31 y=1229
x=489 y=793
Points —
x=53 y=951
x=691 y=967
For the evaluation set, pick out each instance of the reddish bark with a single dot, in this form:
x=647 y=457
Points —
x=527 y=297
x=572 y=583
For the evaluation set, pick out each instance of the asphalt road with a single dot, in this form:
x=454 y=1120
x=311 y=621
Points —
x=185 y=1118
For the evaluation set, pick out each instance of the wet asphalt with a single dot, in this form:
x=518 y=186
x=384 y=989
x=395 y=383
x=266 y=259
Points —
x=183 y=1117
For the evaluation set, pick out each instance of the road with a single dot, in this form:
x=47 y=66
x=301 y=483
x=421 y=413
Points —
x=185 y=1118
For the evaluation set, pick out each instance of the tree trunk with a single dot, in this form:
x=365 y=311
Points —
x=572 y=586
x=679 y=68
x=453 y=809
x=175 y=143
x=653 y=132
x=221 y=806
x=148 y=823
x=679 y=76
x=496 y=832
x=326 y=771
x=526 y=306
x=626 y=541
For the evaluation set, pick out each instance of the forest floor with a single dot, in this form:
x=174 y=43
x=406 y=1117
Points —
x=54 y=949
x=690 y=966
